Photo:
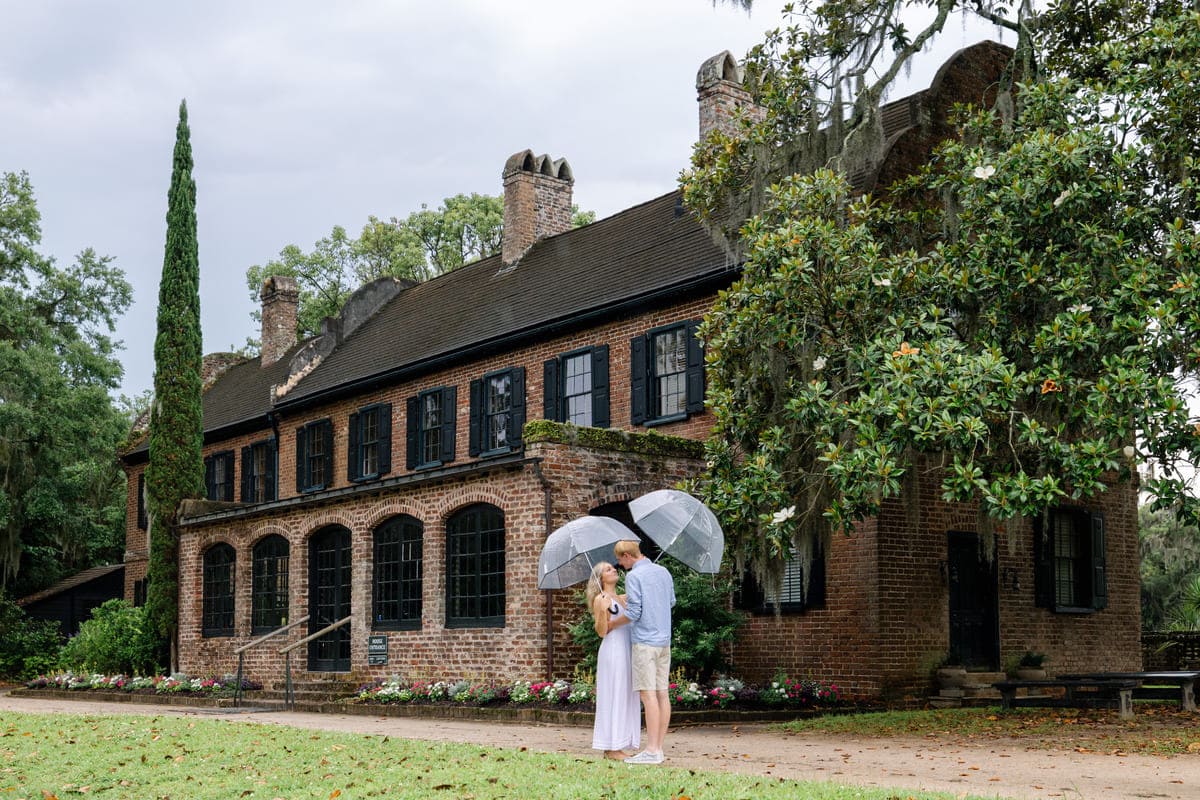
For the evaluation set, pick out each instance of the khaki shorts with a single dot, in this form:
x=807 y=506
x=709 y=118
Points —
x=651 y=668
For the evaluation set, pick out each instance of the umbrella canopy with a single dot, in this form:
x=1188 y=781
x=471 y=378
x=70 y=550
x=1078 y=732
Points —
x=682 y=526
x=571 y=551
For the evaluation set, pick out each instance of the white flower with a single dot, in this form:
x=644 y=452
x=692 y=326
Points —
x=1129 y=451
x=783 y=515
x=882 y=281
x=1079 y=308
x=819 y=363
x=983 y=173
x=1058 y=201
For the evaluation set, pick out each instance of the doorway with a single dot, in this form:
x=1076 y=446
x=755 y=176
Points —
x=329 y=599
x=974 y=615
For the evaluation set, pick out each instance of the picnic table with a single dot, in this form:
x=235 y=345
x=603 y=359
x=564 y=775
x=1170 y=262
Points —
x=1159 y=685
x=1078 y=692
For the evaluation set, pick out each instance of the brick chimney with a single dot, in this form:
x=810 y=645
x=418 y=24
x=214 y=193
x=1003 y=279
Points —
x=720 y=92
x=280 y=302
x=537 y=202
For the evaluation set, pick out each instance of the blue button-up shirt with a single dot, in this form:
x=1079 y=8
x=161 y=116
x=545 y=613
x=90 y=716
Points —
x=649 y=597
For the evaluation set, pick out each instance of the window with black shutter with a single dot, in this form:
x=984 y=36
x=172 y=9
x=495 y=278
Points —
x=314 y=456
x=218 y=476
x=1070 y=567
x=791 y=597
x=370 y=451
x=399 y=544
x=258 y=472
x=575 y=388
x=667 y=375
x=430 y=429
x=497 y=412
x=217 y=614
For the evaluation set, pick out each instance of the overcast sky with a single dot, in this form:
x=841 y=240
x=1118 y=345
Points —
x=306 y=114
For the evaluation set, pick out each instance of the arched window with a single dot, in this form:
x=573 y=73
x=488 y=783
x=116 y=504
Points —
x=217 y=619
x=475 y=568
x=399 y=545
x=269 y=589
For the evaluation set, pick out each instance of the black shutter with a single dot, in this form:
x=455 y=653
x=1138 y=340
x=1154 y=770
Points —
x=516 y=413
x=271 y=459
x=449 y=423
x=142 y=523
x=637 y=380
x=301 y=458
x=695 y=371
x=210 y=483
x=384 y=410
x=550 y=399
x=246 y=465
x=1099 y=563
x=600 y=387
x=475 y=440
x=228 y=493
x=1043 y=561
x=327 y=433
x=815 y=597
x=412 y=432
x=353 y=460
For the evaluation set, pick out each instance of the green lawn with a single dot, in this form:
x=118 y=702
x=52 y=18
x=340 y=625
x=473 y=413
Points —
x=43 y=757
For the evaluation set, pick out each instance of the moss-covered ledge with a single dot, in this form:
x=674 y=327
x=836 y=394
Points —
x=648 y=443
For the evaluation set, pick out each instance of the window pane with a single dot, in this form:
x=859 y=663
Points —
x=368 y=443
x=398 y=572
x=791 y=591
x=1068 y=549
x=475 y=567
x=577 y=389
x=217 y=616
x=498 y=404
x=258 y=473
x=315 y=443
x=269 y=591
x=431 y=428
x=670 y=372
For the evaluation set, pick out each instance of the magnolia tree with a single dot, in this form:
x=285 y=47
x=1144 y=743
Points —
x=1020 y=318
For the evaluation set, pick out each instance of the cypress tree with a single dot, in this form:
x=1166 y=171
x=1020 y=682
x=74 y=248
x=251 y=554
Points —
x=176 y=468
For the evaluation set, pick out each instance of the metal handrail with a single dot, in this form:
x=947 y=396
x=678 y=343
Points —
x=286 y=652
x=241 y=653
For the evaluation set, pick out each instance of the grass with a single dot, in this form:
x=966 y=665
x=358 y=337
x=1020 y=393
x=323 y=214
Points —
x=1156 y=728
x=53 y=757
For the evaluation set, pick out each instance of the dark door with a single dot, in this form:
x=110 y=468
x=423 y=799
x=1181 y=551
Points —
x=974 y=620
x=329 y=599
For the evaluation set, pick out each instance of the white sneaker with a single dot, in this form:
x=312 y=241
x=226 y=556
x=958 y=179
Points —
x=645 y=757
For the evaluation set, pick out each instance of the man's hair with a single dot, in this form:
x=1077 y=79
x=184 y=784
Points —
x=627 y=547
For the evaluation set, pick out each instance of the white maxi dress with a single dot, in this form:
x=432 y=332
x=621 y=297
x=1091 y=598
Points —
x=618 y=707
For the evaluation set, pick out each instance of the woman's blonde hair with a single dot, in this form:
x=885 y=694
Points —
x=595 y=583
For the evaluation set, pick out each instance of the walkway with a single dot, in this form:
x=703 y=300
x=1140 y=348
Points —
x=990 y=768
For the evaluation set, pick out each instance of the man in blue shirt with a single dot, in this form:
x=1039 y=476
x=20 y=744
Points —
x=650 y=595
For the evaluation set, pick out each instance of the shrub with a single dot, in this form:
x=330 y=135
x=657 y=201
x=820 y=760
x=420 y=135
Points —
x=115 y=640
x=27 y=646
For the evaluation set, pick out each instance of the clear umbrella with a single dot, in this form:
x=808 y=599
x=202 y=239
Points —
x=571 y=551
x=682 y=526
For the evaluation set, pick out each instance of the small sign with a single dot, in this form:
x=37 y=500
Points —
x=377 y=651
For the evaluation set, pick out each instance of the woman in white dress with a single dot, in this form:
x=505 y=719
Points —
x=618 y=724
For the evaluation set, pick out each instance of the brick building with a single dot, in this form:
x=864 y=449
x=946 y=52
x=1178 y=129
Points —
x=392 y=472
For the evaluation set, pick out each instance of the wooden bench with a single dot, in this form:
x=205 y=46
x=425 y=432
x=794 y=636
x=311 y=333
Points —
x=1162 y=685
x=1077 y=693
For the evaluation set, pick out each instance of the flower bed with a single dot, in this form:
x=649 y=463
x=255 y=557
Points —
x=178 y=683
x=725 y=693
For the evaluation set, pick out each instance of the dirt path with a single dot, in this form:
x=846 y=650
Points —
x=990 y=769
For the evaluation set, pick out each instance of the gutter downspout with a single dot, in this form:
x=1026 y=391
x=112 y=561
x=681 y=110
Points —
x=546 y=490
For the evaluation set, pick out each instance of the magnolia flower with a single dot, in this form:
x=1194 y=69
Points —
x=1129 y=451
x=905 y=350
x=882 y=281
x=1050 y=385
x=818 y=363
x=983 y=173
x=783 y=515
x=1079 y=308
x=1058 y=201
